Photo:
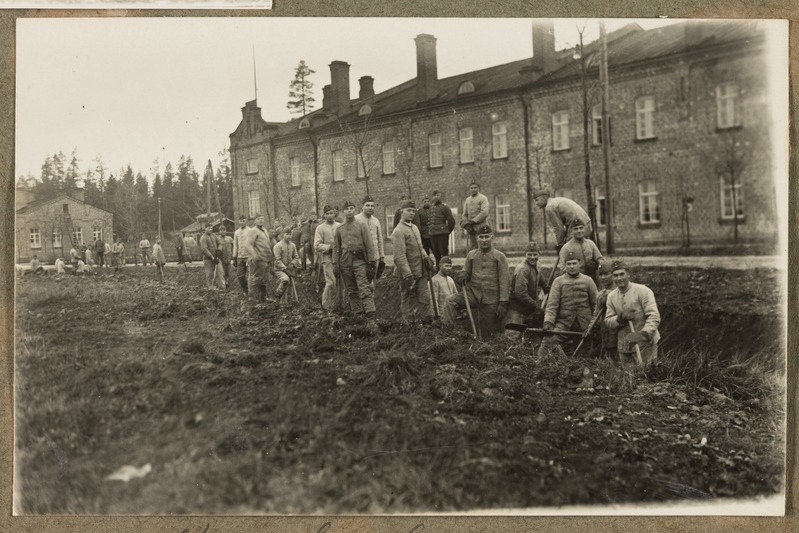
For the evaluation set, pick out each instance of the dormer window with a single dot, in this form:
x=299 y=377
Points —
x=466 y=87
x=365 y=109
x=304 y=123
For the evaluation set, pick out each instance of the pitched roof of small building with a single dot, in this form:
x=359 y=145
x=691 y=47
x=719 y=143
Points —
x=60 y=196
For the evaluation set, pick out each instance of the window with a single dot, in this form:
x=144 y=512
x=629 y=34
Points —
x=365 y=109
x=97 y=234
x=499 y=135
x=434 y=150
x=338 y=166
x=77 y=236
x=466 y=87
x=57 y=238
x=390 y=209
x=388 y=157
x=596 y=126
x=253 y=203
x=560 y=130
x=294 y=168
x=645 y=117
x=466 y=141
x=359 y=170
x=36 y=238
x=502 y=203
x=304 y=123
x=601 y=207
x=727 y=115
x=252 y=166
x=648 y=207
x=727 y=193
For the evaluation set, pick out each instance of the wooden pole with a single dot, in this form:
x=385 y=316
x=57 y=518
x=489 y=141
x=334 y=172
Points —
x=603 y=74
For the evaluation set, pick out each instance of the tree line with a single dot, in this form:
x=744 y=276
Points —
x=133 y=197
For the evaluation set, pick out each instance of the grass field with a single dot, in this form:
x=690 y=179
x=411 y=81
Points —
x=284 y=409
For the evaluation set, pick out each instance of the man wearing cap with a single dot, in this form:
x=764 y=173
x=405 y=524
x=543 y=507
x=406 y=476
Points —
x=352 y=253
x=287 y=261
x=424 y=224
x=324 y=238
x=409 y=265
x=260 y=259
x=632 y=303
x=225 y=244
x=398 y=214
x=372 y=223
x=239 y=250
x=583 y=249
x=570 y=305
x=144 y=246
x=561 y=213
x=179 y=246
x=475 y=212
x=306 y=241
x=443 y=284
x=440 y=225
x=211 y=254
x=527 y=285
x=607 y=335
x=488 y=286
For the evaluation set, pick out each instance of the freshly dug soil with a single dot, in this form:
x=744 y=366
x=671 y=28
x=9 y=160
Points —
x=286 y=409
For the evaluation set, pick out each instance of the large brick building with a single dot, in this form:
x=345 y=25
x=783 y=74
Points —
x=689 y=135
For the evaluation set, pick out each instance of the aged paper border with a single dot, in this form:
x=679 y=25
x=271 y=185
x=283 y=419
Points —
x=777 y=9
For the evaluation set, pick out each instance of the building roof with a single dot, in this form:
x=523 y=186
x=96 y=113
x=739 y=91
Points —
x=60 y=196
x=627 y=45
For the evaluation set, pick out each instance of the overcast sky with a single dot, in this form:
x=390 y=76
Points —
x=137 y=90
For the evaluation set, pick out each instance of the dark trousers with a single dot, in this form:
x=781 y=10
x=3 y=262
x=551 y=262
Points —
x=440 y=246
x=426 y=245
x=241 y=273
x=100 y=259
x=180 y=255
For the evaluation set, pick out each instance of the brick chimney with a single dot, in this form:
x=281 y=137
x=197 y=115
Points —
x=426 y=68
x=544 y=57
x=367 y=87
x=340 y=86
x=327 y=101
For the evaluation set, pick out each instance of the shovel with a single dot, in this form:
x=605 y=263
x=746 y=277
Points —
x=469 y=311
x=638 y=358
x=294 y=289
x=522 y=328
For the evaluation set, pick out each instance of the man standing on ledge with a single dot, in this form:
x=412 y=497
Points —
x=561 y=214
x=475 y=212
x=632 y=303
x=352 y=253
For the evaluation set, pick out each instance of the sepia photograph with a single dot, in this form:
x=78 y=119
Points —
x=400 y=266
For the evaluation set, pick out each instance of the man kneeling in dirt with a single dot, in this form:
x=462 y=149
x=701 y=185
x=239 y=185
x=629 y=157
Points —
x=488 y=286
x=570 y=306
x=527 y=285
x=633 y=314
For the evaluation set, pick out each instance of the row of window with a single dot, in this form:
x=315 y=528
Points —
x=727 y=116
x=77 y=237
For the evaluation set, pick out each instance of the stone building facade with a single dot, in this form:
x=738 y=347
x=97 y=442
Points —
x=49 y=228
x=688 y=133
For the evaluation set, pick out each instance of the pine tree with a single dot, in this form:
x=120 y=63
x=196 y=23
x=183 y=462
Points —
x=301 y=90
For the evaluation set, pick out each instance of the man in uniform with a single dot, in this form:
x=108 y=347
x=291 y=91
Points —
x=211 y=254
x=74 y=257
x=411 y=265
x=366 y=216
x=179 y=247
x=158 y=257
x=240 y=251
x=99 y=250
x=632 y=303
x=488 y=286
x=527 y=284
x=583 y=249
x=324 y=238
x=144 y=247
x=398 y=214
x=570 y=306
x=352 y=253
x=443 y=284
x=561 y=213
x=118 y=253
x=475 y=212
x=440 y=225
x=424 y=224
x=306 y=241
x=607 y=335
x=225 y=244
x=258 y=250
x=287 y=261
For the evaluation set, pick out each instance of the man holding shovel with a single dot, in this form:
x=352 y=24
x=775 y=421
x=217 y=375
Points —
x=633 y=313
x=570 y=306
x=411 y=265
x=488 y=286
x=287 y=262
x=324 y=238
